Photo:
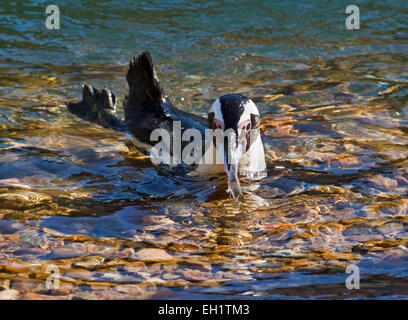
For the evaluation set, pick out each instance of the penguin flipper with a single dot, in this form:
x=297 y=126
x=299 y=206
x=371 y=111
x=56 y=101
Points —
x=146 y=107
x=99 y=106
x=143 y=83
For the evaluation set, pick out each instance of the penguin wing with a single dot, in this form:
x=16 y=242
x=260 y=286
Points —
x=147 y=107
x=143 y=83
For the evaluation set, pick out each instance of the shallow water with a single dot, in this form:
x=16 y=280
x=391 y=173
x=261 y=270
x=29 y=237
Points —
x=335 y=124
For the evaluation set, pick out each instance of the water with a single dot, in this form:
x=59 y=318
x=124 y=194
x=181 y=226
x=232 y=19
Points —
x=335 y=122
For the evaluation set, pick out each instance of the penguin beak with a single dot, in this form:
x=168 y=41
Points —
x=234 y=186
x=232 y=153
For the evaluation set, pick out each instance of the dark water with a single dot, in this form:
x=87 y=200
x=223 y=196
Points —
x=335 y=123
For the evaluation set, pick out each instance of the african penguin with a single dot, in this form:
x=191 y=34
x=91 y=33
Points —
x=238 y=148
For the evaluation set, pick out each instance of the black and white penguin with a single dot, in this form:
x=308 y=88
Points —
x=238 y=152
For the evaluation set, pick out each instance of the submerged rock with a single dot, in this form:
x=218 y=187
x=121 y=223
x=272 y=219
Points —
x=32 y=238
x=70 y=251
x=384 y=183
x=153 y=254
x=22 y=199
x=89 y=263
x=37 y=296
x=9 y=294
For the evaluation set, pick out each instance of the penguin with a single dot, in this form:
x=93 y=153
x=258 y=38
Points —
x=237 y=150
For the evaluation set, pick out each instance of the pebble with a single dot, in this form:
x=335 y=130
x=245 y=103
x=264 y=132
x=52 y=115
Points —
x=69 y=251
x=89 y=263
x=384 y=182
x=152 y=254
x=33 y=238
x=24 y=285
x=170 y=276
x=9 y=294
x=197 y=275
x=22 y=200
x=79 y=274
x=37 y=296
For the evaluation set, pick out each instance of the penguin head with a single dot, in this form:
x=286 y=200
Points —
x=237 y=117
